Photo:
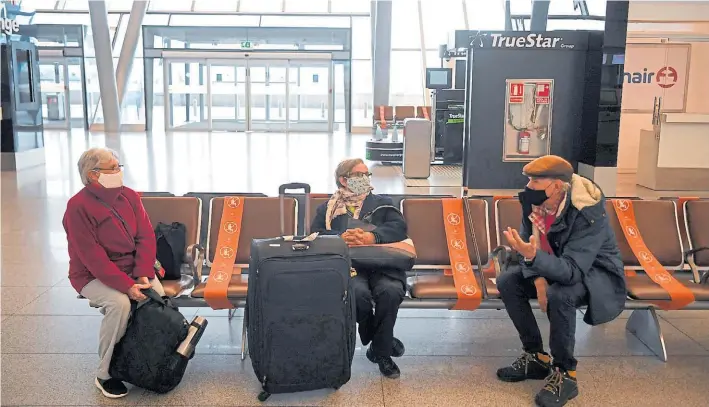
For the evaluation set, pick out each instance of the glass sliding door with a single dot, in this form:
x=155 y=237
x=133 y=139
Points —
x=227 y=99
x=259 y=95
x=268 y=95
x=55 y=93
x=186 y=95
x=312 y=93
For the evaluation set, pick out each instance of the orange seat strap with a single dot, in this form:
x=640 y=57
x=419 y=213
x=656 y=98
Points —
x=680 y=295
x=466 y=285
x=216 y=293
x=382 y=119
x=425 y=113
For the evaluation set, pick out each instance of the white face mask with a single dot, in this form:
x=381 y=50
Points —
x=111 y=180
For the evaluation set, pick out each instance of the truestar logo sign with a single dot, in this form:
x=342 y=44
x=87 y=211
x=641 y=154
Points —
x=529 y=41
x=8 y=26
x=666 y=72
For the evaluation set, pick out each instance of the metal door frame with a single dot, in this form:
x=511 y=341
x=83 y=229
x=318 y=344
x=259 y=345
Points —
x=61 y=60
x=166 y=93
x=321 y=63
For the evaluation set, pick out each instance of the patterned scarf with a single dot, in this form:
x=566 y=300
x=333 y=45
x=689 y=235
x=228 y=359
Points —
x=539 y=213
x=339 y=203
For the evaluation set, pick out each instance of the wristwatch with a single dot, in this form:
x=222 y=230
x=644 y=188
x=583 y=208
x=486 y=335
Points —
x=529 y=262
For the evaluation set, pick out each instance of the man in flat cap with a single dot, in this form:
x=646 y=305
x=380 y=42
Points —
x=568 y=258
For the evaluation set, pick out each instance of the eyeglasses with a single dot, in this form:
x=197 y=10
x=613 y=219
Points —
x=360 y=174
x=116 y=168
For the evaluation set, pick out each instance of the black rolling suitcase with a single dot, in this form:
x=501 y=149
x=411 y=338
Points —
x=300 y=310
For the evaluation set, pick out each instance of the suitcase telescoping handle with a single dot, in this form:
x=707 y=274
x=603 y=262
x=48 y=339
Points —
x=282 y=195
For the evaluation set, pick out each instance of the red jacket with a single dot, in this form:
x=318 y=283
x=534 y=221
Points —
x=100 y=246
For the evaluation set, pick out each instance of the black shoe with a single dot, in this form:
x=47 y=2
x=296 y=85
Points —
x=386 y=365
x=527 y=366
x=561 y=386
x=398 y=349
x=112 y=388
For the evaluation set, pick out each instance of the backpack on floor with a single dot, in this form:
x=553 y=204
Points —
x=171 y=242
x=154 y=352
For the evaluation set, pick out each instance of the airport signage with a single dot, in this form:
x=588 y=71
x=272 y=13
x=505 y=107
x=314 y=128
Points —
x=666 y=77
x=515 y=40
x=7 y=25
x=655 y=70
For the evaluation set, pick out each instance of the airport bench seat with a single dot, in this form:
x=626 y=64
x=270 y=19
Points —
x=424 y=218
x=185 y=210
x=258 y=222
x=696 y=217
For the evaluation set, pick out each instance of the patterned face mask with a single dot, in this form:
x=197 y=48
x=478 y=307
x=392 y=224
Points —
x=359 y=185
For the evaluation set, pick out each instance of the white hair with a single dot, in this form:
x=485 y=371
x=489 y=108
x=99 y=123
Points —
x=91 y=159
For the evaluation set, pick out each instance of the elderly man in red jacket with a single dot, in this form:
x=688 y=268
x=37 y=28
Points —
x=111 y=252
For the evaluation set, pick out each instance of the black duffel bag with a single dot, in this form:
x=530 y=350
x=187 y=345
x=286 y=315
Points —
x=399 y=256
x=147 y=355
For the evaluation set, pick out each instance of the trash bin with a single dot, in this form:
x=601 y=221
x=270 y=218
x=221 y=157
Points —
x=417 y=148
x=55 y=107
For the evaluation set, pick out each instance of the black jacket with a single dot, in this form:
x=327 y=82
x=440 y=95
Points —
x=585 y=250
x=390 y=225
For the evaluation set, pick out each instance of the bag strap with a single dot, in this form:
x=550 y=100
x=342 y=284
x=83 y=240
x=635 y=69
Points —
x=120 y=218
x=368 y=216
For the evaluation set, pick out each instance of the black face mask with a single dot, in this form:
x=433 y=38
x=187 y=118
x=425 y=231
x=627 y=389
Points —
x=532 y=196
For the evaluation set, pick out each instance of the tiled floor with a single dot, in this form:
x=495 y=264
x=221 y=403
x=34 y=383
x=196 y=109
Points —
x=49 y=338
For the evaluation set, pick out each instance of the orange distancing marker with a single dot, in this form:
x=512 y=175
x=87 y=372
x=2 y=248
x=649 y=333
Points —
x=466 y=285
x=217 y=289
x=425 y=113
x=680 y=295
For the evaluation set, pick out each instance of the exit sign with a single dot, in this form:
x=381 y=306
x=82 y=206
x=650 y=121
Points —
x=246 y=44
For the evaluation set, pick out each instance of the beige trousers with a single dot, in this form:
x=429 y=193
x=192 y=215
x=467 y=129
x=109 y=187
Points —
x=115 y=306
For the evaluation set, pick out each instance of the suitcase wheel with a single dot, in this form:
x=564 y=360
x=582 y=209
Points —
x=263 y=396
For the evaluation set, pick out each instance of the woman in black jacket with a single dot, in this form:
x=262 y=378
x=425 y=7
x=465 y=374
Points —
x=385 y=288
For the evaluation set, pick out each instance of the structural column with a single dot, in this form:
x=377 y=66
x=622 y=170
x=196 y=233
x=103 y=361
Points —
x=381 y=52
x=540 y=14
x=104 y=65
x=130 y=44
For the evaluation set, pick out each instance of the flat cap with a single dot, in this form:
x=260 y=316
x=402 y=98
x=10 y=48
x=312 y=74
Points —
x=549 y=166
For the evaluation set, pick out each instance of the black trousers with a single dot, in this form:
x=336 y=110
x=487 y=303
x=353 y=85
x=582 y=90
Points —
x=562 y=302
x=378 y=297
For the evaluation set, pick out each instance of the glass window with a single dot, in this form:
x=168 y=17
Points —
x=432 y=59
x=119 y=5
x=405 y=24
x=575 y=25
x=39 y=4
x=596 y=7
x=350 y=6
x=261 y=5
x=563 y=8
x=215 y=5
x=362 y=92
x=306 y=6
x=214 y=20
x=170 y=5
x=440 y=18
x=361 y=38
x=516 y=6
x=299 y=21
x=406 y=80
x=491 y=15
x=61 y=18
x=76 y=5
